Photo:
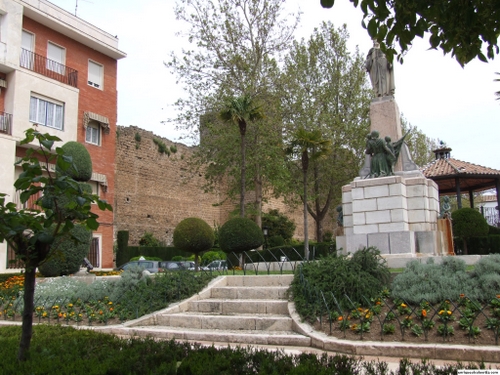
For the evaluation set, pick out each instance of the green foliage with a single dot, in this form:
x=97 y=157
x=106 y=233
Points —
x=82 y=163
x=420 y=146
x=148 y=239
x=122 y=243
x=434 y=282
x=464 y=29
x=468 y=222
x=162 y=147
x=137 y=137
x=278 y=224
x=193 y=235
x=364 y=275
x=67 y=253
x=210 y=256
x=240 y=234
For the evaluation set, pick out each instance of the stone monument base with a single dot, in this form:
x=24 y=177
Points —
x=397 y=214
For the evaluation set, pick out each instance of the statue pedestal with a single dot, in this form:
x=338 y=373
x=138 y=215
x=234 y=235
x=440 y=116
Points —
x=397 y=214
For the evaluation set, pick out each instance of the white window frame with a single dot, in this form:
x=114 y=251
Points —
x=46 y=112
x=93 y=133
x=95 y=75
x=56 y=58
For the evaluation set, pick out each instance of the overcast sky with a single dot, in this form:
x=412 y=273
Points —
x=433 y=92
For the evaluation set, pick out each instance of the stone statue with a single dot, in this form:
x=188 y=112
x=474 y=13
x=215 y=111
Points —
x=392 y=157
x=445 y=208
x=340 y=216
x=380 y=154
x=381 y=72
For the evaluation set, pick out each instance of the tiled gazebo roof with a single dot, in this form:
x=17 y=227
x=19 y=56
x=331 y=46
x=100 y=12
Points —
x=472 y=177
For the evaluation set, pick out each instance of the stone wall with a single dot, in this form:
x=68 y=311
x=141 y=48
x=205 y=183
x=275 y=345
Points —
x=154 y=192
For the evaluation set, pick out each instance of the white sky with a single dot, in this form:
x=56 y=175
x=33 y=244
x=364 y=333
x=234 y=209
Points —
x=433 y=92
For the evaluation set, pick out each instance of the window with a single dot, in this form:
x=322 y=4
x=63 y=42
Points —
x=27 y=56
x=46 y=113
x=95 y=75
x=93 y=133
x=94 y=254
x=55 y=58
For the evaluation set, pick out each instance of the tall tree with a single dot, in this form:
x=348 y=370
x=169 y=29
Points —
x=308 y=146
x=241 y=111
x=235 y=47
x=462 y=28
x=324 y=87
x=31 y=232
x=421 y=147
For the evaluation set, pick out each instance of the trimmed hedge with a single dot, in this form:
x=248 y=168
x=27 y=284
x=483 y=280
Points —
x=81 y=161
x=240 y=234
x=122 y=255
x=480 y=245
x=193 y=235
x=67 y=255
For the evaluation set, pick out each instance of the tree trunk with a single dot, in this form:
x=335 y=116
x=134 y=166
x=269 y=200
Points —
x=27 y=325
x=306 y=232
x=243 y=176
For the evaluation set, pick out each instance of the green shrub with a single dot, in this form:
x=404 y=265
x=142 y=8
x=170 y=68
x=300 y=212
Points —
x=278 y=224
x=148 y=239
x=67 y=255
x=240 y=234
x=274 y=241
x=493 y=230
x=494 y=240
x=362 y=276
x=210 y=256
x=122 y=255
x=193 y=235
x=468 y=222
x=81 y=160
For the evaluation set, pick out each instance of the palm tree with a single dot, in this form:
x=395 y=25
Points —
x=240 y=111
x=309 y=145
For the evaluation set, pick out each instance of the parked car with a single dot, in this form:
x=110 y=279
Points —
x=152 y=266
x=218 y=265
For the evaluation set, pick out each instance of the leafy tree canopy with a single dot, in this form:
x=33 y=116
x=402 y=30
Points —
x=466 y=29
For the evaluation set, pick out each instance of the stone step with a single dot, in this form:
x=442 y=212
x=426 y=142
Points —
x=237 y=292
x=262 y=280
x=275 y=338
x=233 y=307
x=249 y=322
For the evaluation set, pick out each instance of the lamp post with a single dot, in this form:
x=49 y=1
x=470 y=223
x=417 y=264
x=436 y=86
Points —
x=265 y=232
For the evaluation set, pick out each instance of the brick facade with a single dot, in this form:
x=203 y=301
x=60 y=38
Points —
x=155 y=192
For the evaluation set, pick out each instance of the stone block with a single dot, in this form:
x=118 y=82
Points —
x=348 y=221
x=399 y=215
x=390 y=203
x=341 y=242
x=426 y=242
x=346 y=188
x=358 y=218
x=364 y=229
x=402 y=242
x=393 y=227
x=397 y=189
x=346 y=197
x=380 y=241
x=357 y=193
x=347 y=208
x=416 y=191
x=416 y=181
x=377 y=217
x=416 y=216
x=363 y=205
x=417 y=203
x=355 y=242
x=376 y=191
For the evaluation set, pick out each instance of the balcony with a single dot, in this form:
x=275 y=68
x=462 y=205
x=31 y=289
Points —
x=5 y=123
x=49 y=68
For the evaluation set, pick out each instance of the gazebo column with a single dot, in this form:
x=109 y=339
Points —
x=497 y=181
x=471 y=199
x=459 y=194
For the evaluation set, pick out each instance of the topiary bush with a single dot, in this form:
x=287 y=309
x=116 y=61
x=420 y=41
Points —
x=67 y=254
x=81 y=160
x=148 y=239
x=278 y=225
x=468 y=222
x=240 y=234
x=193 y=235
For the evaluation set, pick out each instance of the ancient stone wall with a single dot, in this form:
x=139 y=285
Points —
x=154 y=192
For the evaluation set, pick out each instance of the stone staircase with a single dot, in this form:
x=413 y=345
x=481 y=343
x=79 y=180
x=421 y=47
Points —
x=249 y=310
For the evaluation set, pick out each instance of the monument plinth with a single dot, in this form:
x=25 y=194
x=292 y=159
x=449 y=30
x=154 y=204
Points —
x=391 y=205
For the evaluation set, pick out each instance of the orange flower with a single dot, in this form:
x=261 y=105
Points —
x=60 y=315
x=424 y=313
x=100 y=312
x=377 y=303
x=462 y=295
x=340 y=318
x=110 y=309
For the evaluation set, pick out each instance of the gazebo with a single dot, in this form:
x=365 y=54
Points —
x=455 y=177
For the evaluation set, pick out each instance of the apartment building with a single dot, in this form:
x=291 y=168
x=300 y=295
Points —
x=59 y=72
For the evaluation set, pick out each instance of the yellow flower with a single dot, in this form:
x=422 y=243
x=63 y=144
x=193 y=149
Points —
x=448 y=312
x=441 y=312
x=70 y=305
x=403 y=305
x=110 y=303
